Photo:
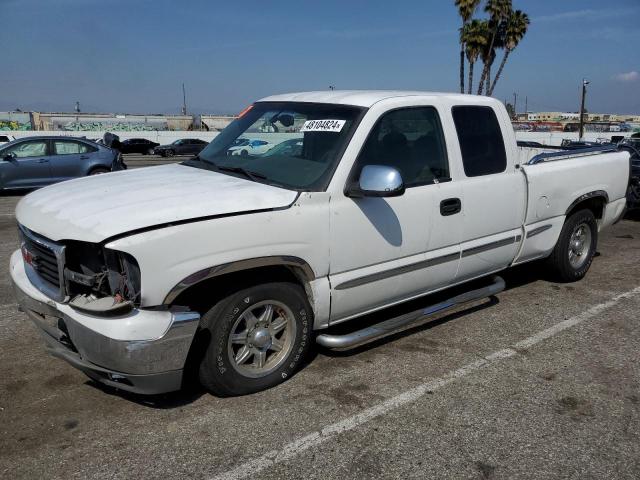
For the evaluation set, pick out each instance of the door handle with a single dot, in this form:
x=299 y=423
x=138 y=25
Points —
x=450 y=206
x=83 y=157
x=43 y=160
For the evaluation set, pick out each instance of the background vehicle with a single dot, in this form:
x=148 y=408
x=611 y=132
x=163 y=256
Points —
x=4 y=138
x=291 y=148
x=526 y=143
x=632 y=145
x=34 y=162
x=137 y=145
x=184 y=146
x=252 y=148
x=393 y=196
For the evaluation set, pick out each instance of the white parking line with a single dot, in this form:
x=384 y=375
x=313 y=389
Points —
x=314 y=439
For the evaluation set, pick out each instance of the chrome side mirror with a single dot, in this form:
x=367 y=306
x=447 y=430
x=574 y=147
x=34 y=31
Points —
x=377 y=181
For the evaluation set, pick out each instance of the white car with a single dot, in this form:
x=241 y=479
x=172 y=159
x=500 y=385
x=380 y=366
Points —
x=4 y=138
x=251 y=148
x=238 y=264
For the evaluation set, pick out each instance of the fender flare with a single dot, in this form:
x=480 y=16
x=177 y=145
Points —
x=586 y=196
x=238 y=266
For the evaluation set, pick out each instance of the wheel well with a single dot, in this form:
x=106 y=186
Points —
x=202 y=296
x=595 y=204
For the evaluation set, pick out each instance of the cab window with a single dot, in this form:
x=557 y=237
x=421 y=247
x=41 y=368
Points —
x=410 y=140
x=481 y=142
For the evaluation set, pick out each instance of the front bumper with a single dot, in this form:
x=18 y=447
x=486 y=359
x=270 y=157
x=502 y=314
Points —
x=143 y=351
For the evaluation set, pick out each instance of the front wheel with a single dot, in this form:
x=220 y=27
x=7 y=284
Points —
x=99 y=171
x=169 y=153
x=576 y=247
x=258 y=338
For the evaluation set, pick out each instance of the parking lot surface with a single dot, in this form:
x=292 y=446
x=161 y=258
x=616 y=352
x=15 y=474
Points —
x=541 y=382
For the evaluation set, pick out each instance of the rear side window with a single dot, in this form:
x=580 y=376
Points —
x=62 y=147
x=480 y=140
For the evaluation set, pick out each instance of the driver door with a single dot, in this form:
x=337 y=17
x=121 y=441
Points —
x=386 y=250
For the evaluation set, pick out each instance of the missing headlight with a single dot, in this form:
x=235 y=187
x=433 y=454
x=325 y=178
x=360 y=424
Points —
x=101 y=280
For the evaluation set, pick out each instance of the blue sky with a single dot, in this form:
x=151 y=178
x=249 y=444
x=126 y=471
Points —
x=133 y=55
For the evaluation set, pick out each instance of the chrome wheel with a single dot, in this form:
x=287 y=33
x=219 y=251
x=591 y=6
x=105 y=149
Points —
x=579 y=245
x=261 y=338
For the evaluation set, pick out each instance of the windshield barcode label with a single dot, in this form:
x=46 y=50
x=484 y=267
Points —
x=322 y=125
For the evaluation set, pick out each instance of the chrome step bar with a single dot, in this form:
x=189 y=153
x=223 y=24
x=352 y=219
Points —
x=387 y=326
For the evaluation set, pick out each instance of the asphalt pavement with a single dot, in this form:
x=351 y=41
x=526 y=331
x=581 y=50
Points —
x=543 y=381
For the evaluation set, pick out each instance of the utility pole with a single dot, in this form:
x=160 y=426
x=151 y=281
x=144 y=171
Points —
x=584 y=94
x=184 y=101
x=515 y=103
x=526 y=105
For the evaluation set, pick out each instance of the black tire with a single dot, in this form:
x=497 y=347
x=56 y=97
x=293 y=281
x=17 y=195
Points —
x=559 y=263
x=169 y=153
x=244 y=153
x=99 y=171
x=219 y=372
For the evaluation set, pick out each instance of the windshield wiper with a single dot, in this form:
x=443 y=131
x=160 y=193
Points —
x=247 y=173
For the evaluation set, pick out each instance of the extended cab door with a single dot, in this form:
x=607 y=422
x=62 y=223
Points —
x=493 y=189
x=385 y=250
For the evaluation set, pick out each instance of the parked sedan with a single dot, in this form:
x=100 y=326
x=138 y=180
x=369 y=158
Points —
x=34 y=162
x=138 y=145
x=252 y=148
x=184 y=146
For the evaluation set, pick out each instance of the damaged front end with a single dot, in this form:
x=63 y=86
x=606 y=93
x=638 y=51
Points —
x=99 y=280
x=90 y=277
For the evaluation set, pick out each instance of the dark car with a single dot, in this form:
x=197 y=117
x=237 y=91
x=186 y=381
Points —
x=184 y=146
x=34 y=162
x=529 y=144
x=137 y=145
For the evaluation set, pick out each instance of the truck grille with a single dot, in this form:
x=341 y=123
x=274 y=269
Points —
x=46 y=259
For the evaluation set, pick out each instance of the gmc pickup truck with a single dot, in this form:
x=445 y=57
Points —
x=232 y=265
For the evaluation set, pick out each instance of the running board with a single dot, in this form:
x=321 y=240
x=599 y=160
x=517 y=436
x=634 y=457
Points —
x=383 y=328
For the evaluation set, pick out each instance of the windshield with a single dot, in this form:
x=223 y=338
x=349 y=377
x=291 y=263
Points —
x=289 y=144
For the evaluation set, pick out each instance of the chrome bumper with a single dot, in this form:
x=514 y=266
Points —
x=147 y=365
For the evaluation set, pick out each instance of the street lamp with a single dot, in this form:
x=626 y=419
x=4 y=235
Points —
x=584 y=94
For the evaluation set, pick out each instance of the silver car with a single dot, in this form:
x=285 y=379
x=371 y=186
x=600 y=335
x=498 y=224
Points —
x=34 y=162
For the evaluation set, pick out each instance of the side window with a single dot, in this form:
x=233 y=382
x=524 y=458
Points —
x=481 y=142
x=410 y=140
x=34 y=148
x=4 y=138
x=66 y=147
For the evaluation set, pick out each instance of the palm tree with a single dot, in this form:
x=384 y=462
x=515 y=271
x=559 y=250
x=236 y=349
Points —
x=499 y=11
x=474 y=35
x=515 y=29
x=466 y=9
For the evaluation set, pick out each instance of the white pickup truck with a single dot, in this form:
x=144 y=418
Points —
x=235 y=264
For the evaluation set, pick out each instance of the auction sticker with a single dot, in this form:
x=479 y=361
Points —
x=323 y=125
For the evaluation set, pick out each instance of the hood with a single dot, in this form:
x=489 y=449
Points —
x=95 y=208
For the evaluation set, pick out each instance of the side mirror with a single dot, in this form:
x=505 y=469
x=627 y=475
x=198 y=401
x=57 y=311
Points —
x=7 y=157
x=377 y=181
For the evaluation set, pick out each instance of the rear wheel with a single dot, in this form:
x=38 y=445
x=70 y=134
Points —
x=99 y=171
x=258 y=338
x=169 y=153
x=576 y=246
